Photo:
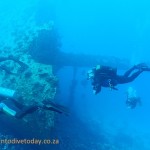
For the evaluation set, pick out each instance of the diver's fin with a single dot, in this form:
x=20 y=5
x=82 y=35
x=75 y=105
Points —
x=145 y=69
x=55 y=107
x=51 y=108
x=51 y=103
x=142 y=67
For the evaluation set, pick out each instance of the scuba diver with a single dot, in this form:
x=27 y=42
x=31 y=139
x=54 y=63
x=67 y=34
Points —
x=105 y=76
x=132 y=98
x=10 y=106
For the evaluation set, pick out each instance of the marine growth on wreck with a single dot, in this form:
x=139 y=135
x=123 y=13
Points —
x=36 y=82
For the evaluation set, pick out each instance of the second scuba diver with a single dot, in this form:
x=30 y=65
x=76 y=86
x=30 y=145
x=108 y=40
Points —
x=105 y=76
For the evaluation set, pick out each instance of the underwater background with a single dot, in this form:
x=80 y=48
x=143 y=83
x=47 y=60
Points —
x=60 y=36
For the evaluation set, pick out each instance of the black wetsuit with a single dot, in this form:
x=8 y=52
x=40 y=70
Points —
x=111 y=79
x=126 y=78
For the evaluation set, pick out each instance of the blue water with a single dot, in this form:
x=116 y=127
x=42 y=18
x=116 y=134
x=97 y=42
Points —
x=108 y=28
x=111 y=28
x=114 y=28
x=105 y=115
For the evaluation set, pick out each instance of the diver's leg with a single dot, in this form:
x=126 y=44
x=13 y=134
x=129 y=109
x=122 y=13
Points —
x=17 y=104
x=136 y=74
x=26 y=110
x=125 y=79
x=140 y=67
x=128 y=72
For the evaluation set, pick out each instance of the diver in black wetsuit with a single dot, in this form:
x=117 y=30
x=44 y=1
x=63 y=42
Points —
x=104 y=76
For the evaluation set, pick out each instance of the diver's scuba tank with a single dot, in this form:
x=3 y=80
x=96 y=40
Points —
x=7 y=92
